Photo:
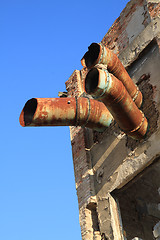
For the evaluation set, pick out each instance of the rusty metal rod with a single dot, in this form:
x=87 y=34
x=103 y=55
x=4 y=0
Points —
x=83 y=112
x=106 y=87
x=99 y=54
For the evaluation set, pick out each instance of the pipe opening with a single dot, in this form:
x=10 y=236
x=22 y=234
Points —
x=91 y=56
x=29 y=111
x=91 y=81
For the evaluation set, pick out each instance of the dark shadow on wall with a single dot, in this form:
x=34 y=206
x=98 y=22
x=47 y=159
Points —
x=110 y=148
x=138 y=203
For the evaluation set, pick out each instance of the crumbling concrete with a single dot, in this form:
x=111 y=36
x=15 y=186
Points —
x=116 y=177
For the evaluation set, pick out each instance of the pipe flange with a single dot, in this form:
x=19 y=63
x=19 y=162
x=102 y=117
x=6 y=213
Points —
x=89 y=111
x=137 y=128
x=76 y=116
x=107 y=83
x=136 y=95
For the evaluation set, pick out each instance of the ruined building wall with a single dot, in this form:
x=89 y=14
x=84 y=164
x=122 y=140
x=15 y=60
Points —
x=117 y=178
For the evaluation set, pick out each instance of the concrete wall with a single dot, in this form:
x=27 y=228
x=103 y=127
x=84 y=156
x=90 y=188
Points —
x=109 y=165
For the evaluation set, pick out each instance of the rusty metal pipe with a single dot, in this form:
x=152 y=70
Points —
x=99 y=54
x=83 y=112
x=106 y=87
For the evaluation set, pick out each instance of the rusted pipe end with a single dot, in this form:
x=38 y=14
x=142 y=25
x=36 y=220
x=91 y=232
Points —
x=99 y=54
x=91 y=81
x=92 y=56
x=102 y=85
x=139 y=99
x=96 y=82
x=28 y=112
x=82 y=112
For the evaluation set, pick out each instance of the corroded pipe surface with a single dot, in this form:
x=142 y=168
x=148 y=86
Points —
x=106 y=87
x=65 y=112
x=98 y=54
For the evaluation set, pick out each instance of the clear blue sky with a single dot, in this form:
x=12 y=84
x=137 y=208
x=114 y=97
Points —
x=41 y=44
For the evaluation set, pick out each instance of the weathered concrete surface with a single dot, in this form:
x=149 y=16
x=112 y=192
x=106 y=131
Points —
x=139 y=201
x=132 y=52
x=115 y=164
x=136 y=26
x=110 y=160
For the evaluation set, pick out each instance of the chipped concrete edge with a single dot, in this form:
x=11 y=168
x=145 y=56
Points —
x=132 y=52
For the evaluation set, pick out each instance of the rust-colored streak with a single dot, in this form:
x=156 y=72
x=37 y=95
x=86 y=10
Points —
x=48 y=112
x=114 y=95
x=99 y=54
x=65 y=112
